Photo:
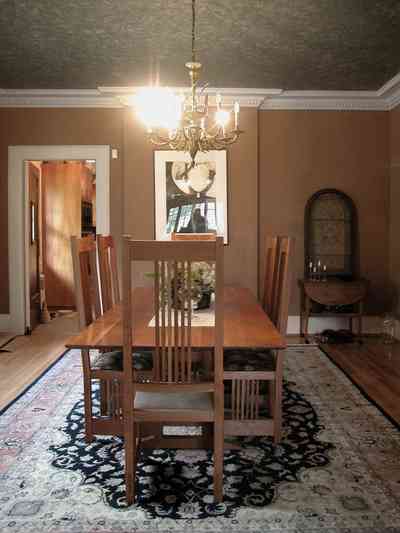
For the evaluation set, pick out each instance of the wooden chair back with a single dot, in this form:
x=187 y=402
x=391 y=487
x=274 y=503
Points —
x=108 y=269
x=86 y=279
x=279 y=259
x=193 y=236
x=173 y=261
x=271 y=253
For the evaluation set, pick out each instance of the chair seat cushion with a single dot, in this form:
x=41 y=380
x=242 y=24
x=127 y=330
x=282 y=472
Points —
x=113 y=361
x=249 y=360
x=174 y=400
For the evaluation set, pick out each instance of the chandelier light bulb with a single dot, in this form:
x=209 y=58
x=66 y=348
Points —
x=222 y=117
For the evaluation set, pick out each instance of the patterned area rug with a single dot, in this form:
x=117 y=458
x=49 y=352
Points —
x=179 y=483
x=51 y=482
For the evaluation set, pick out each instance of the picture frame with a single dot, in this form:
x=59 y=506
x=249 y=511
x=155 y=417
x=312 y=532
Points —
x=190 y=200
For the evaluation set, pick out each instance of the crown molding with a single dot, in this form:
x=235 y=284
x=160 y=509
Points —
x=245 y=97
x=390 y=92
x=384 y=99
x=55 y=98
x=325 y=100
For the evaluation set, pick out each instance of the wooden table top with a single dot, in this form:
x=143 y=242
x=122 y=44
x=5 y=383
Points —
x=245 y=325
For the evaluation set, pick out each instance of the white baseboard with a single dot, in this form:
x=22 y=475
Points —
x=371 y=324
x=5 y=323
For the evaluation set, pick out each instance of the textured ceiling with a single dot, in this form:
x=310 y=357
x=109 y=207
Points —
x=287 y=44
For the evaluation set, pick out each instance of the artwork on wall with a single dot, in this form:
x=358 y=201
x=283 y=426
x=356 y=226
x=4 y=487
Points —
x=190 y=200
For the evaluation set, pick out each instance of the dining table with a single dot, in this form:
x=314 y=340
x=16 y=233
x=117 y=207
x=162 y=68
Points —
x=246 y=325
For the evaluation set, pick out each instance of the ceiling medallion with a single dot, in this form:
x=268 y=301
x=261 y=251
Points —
x=182 y=121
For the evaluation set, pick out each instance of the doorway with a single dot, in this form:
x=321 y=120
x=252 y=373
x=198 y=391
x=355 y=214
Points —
x=62 y=203
x=23 y=220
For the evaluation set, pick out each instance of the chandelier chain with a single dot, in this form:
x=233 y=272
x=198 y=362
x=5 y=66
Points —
x=193 y=30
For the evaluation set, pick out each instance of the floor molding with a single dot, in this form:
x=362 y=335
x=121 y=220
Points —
x=4 y=323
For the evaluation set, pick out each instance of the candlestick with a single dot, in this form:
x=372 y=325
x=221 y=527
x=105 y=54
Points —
x=324 y=278
x=236 y=109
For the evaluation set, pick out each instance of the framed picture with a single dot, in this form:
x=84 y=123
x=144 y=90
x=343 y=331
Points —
x=190 y=200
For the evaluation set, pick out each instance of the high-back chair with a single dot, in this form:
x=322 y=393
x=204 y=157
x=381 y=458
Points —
x=104 y=367
x=108 y=270
x=86 y=280
x=254 y=378
x=175 y=394
x=279 y=253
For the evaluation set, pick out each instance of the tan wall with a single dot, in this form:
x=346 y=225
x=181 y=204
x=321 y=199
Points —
x=304 y=151
x=394 y=234
x=285 y=156
x=56 y=127
x=132 y=183
x=241 y=253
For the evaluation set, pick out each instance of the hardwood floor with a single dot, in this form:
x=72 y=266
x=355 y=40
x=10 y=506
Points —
x=4 y=339
x=375 y=368
x=28 y=356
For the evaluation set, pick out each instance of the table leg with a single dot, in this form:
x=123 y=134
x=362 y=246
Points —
x=87 y=395
x=361 y=310
x=306 y=317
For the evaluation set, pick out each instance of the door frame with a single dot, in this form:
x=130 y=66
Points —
x=18 y=216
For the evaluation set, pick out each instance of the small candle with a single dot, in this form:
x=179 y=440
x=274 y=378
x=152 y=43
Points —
x=218 y=100
x=236 y=109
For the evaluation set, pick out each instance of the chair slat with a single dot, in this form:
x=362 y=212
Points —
x=108 y=270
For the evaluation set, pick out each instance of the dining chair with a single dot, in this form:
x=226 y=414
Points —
x=87 y=299
x=253 y=379
x=175 y=394
x=108 y=270
x=103 y=367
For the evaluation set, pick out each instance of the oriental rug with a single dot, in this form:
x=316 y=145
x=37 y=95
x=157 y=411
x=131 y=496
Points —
x=337 y=468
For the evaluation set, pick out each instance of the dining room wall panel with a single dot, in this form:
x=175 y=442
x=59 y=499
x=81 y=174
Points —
x=241 y=254
x=56 y=126
x=302 y=152
x=280 y=161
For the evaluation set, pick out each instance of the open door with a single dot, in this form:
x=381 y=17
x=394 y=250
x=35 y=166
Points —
x=34 y=246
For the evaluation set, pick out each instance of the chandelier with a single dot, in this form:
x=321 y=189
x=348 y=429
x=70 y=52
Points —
x=183 y=121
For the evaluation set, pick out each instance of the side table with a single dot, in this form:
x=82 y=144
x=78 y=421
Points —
x=330 y=294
